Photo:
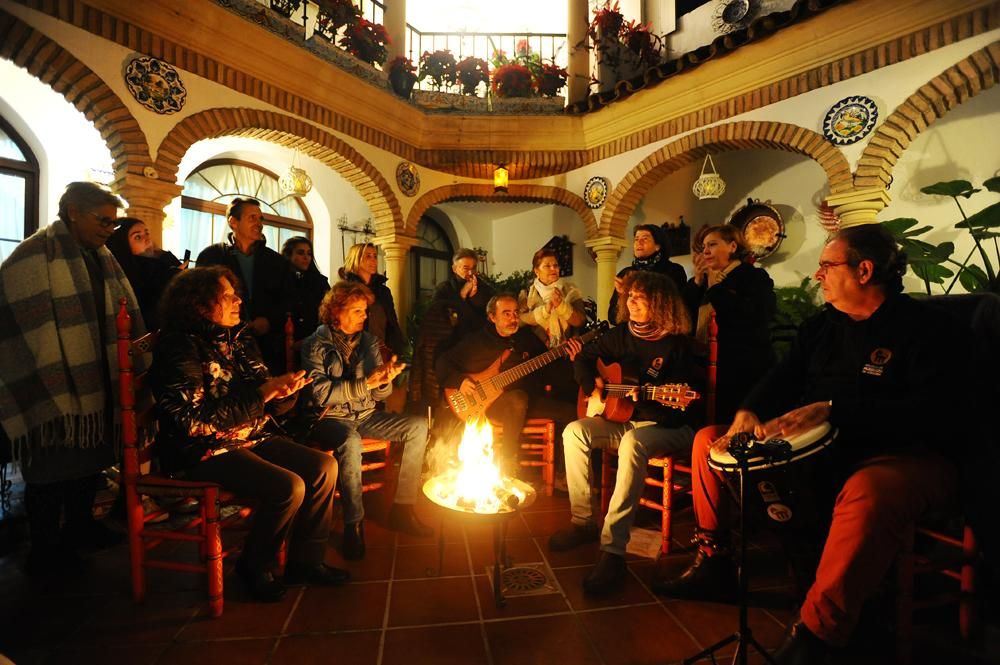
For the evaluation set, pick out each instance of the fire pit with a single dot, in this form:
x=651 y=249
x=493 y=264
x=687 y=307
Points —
x=475 y=491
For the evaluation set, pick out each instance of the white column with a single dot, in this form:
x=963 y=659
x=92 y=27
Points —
x=578 y=82
x=608 y=250
x=394 y=20
x=396 y=250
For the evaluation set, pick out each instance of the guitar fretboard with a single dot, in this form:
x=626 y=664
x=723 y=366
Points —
x=504 y=379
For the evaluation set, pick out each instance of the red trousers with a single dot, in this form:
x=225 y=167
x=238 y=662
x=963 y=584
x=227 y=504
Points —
x=872 y=514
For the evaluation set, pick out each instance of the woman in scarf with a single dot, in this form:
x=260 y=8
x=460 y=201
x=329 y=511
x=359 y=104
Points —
x=307 y=287
x=59 y=293
x=743 y=301
x=551 y=305
x=149 y=269
x=361 y=265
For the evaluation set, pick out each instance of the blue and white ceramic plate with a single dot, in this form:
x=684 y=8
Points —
x=850 y=120
x=156 y=85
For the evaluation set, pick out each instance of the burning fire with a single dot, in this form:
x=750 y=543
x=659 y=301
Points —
x=475 y=483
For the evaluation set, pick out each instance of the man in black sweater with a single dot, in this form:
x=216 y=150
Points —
x=652 y=343
x=525 y=398
x=263 y=276
x=465 y=293
x=648 y=253
x=885 y=370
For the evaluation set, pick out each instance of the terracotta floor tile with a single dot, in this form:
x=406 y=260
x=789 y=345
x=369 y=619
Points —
x=483 y=531
x=230 y=652
x=519 y=550
x=584 y=555
x=557 y=502
x=137 y=654
x=355 y=606
x=543 y=525
x=376 y=566
x=540 y=641
x=440 y=645
x=443 y=600
x=242 y=618
x=343 y=649
x=549 y=603
x=709 y=622
x=120 y=620
x=423 y=561
x=571 y=580
x=632 y=635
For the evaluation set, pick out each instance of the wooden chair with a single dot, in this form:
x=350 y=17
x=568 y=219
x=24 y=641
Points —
x=538 y=447
x=203 y=528
x=960 y=566
x=667 y=463
x=369 y=447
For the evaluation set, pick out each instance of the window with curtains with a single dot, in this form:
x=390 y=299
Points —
x=212 y=186
x=430 y=260
x=18 y=190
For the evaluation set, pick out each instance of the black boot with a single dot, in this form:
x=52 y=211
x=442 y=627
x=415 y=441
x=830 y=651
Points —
x=261 y=584
x=802 y=647
x=607 y=576
x=354 y=541
x=404 y=519
x=574 y=536
x=709 y=577
x=81 y=529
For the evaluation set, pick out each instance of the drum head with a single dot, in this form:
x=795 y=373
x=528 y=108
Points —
x=803 y=444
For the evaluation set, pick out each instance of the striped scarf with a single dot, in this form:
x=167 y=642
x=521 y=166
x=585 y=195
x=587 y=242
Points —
x=52 y=389
x=648 y=330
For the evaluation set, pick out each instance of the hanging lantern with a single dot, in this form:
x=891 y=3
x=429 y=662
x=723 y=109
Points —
x=296 y=182
x=709 y=185
x=500 y=179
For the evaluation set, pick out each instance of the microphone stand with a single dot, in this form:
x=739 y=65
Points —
x=740 y=449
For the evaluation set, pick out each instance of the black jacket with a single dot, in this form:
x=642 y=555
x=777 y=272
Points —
x=149 y=278
x=382 y=320
x=471 y=311
x=305 y=292
x=744 y=305
x=475 y=352
x=205 y=382
x=898 y=379
x=663 y=265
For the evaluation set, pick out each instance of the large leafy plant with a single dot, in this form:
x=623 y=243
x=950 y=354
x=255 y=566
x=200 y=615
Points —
x=936 y=264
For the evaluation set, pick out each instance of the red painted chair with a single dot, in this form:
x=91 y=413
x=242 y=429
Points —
x=538 y=447
x=667 y=463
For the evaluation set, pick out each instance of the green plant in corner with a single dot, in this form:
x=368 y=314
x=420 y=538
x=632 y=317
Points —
x=934 y=263
x=795 y=304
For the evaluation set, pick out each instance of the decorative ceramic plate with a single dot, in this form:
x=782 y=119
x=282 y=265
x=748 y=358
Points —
x=850 y=120
x=762 y=226
x=407 y=178
x=156 y=85
x=595 y=192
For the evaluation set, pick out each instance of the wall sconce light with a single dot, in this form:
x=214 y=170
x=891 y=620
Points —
x=296 y=182
x=709 y=185
x=500 y=179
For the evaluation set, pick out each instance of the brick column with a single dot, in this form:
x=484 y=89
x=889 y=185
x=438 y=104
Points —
x=858 y=206
x=396 y=249
x=146 y=198
x=608 y=250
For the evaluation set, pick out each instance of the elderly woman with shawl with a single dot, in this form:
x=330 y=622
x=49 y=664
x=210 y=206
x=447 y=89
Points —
x=59 y=292
x=551 y=305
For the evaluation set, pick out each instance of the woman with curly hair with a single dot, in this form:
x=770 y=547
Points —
x=742 y=299
x=651 y=343
x=215 y=400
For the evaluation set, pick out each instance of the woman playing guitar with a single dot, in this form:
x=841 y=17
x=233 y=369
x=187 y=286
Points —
x=650 y=340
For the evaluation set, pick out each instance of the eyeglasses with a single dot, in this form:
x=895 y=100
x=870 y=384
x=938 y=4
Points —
x=105 y=222
x=826 y=265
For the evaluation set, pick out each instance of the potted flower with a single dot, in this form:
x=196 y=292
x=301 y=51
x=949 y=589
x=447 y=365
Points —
x=402 y=76
x=550 y=79
x=366 y=41
x=439 y=67
x=642 y=42
x=512 y=80
x=471 y=72
x=607 y=22
x=334 y=15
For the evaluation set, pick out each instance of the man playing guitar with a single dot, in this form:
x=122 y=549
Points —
x=651 y=339
x=521 y=400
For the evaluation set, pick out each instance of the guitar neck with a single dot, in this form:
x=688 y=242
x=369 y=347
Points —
x=622 y=390
x=505 y=378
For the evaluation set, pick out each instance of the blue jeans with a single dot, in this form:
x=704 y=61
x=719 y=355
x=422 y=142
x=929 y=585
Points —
x=344 y=436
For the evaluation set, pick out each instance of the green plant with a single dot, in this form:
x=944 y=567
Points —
x=472 y=71
x=512 y=80
x=933 y=263
x=512 y=283
x=335 y=14
x=795 y=304
x=439 y=67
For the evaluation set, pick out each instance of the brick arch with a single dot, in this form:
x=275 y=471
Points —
x=56 y=67
x=293 y=133
x=730 y=136
x=964 y=80
x=515 y=194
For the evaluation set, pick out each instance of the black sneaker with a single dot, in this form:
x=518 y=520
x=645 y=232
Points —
x=574 y=536
x=607 y=576
x=318 y=574
x=262 y=585
x=353 y=547
x=707 y=578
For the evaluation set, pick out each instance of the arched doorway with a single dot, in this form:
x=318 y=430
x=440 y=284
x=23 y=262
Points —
x=430 y=259
x=18 y=190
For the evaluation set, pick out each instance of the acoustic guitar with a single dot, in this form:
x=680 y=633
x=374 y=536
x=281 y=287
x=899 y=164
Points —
x=490 y=383
x=618 y=404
